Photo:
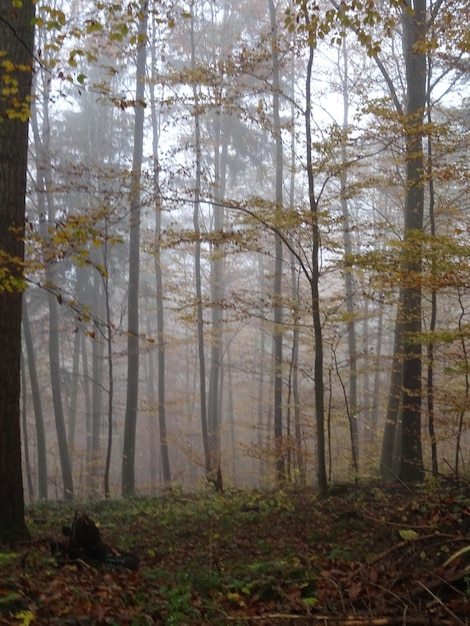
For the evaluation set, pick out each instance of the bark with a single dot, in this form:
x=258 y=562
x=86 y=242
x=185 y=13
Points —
x=414 y=32
x=16 y=35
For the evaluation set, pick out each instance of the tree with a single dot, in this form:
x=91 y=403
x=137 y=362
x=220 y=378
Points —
x=16 y=36
x=408 y=328
x=47 y=217
x=159 y=295
x=414 y=48
x=197 y=255
x=278 y=256
x=130 y=423
x=38 y=413
x=314 y=280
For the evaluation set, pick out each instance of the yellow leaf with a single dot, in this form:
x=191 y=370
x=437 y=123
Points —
x=408 y=534
x=25 y=617
x=8 y=66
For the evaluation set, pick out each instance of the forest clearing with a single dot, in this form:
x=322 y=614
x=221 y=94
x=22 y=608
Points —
x=364 y=556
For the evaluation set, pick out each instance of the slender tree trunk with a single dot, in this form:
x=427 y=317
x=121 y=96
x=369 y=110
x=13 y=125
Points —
x=165 y=456
x=87 y=396
x=277 y=287
x=74 y=395
x=348 y=269
x=25 y=432
x=152 y=410
x=315 y=295
x=54 y=358
x=217 y=294
x=46 y=220
x=97 y=355
x=108 y=338
x=37 y=405
x=293 y=403
x=433 y=318
x=394 y=406
x=197 y=261
x=375 y=408
x=132 y=398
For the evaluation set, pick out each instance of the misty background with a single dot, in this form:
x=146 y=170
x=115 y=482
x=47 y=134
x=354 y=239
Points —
x=168 y=333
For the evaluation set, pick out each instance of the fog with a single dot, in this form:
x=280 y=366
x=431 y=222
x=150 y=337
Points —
x=214 y=192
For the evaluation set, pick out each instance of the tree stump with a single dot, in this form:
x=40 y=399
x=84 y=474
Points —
x=85 y=544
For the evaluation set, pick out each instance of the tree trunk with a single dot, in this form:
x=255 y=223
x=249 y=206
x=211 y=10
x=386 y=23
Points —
x=348 y=270
x=108 y=338
x=152 y=405
x=132 y=397
x=197 y=261
x=54 y=358
x=414 y=32
x=37 y=405
x=74 y=395
x=87 y=398
x=47 y=216
x=217 y=294
x=315 y=295
x=394 y=406
x=97 y=354
x=433 y=318
x=277 y=287
x=16 y=34
x=159 y=296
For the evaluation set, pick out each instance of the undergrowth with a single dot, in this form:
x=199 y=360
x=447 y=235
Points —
x=247 y=557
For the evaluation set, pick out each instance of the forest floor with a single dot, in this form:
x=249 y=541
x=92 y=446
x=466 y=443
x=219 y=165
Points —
x=365 y=556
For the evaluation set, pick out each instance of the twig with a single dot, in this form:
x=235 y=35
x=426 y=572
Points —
x=439 y=601
x=330 y=620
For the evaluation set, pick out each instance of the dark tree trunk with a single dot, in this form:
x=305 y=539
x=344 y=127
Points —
x=414 y=30
x=314 y=288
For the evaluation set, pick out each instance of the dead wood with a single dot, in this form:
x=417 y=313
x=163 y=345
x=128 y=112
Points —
x=86 y=545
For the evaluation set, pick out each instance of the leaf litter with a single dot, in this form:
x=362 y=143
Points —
x=367 y=555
